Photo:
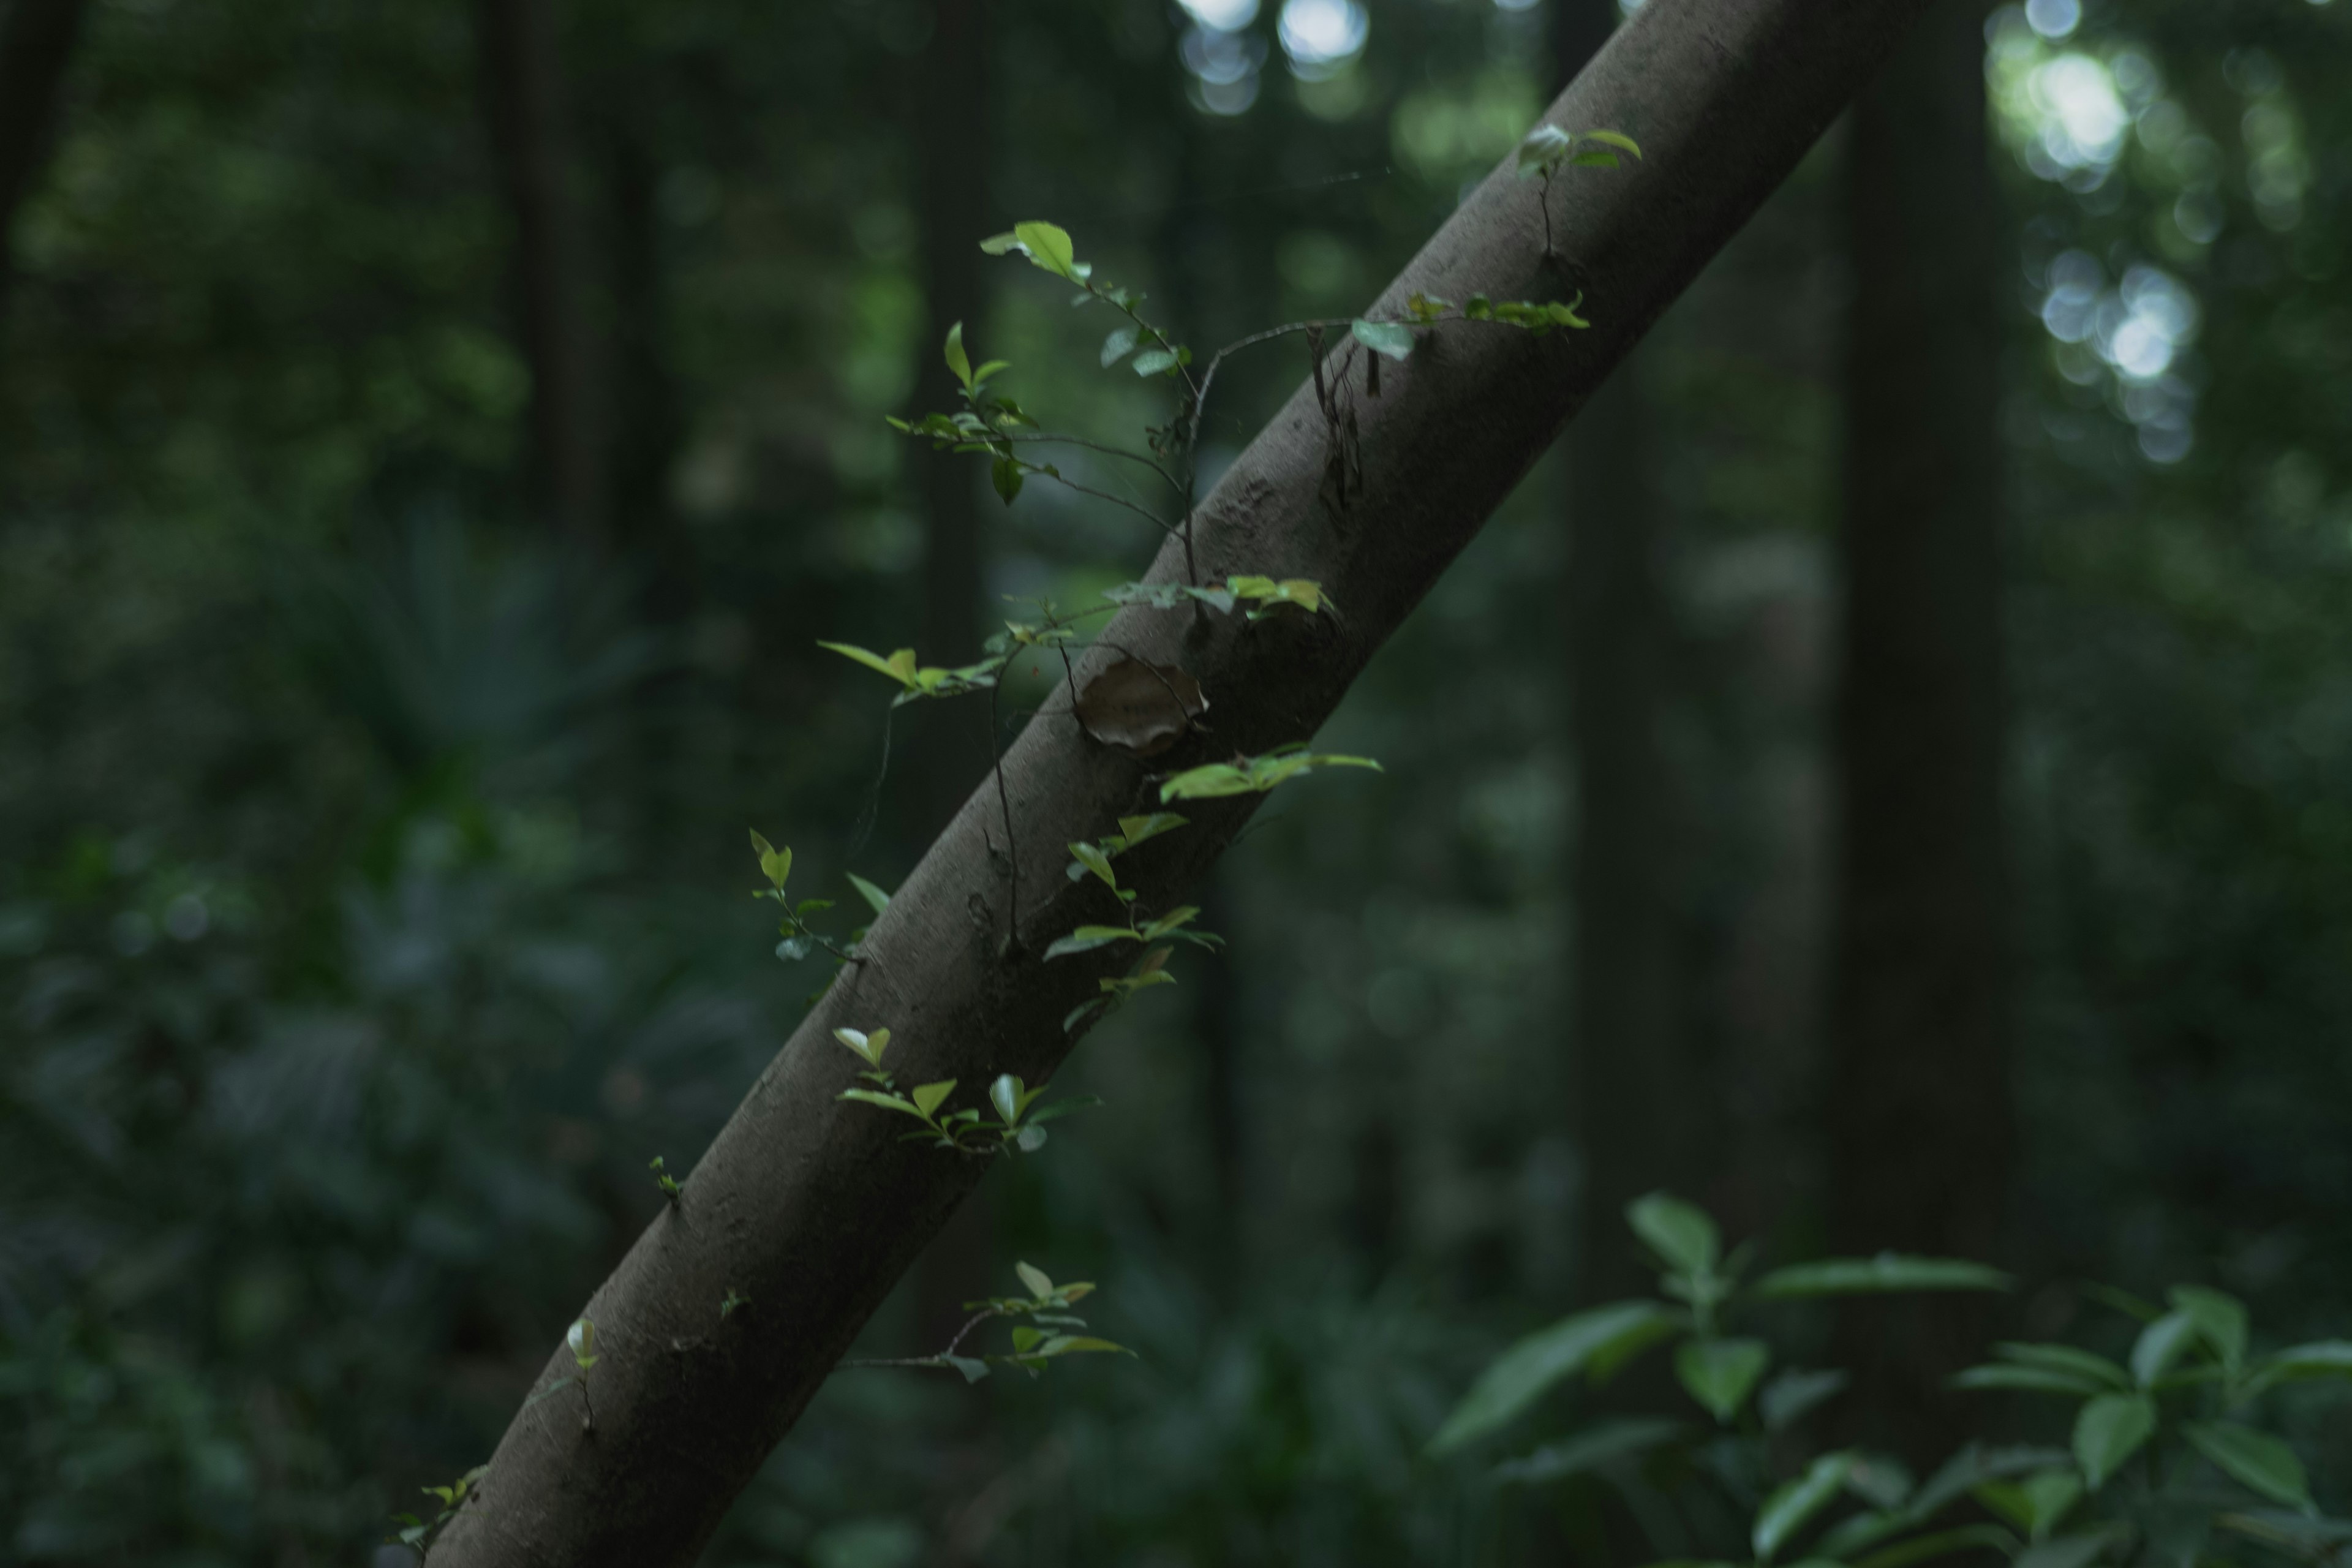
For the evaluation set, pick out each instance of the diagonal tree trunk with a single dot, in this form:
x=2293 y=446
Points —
x=1918 y=1102
x=37 y=44
x=814 y=1207
x=522 y=95
x=1633 y=1087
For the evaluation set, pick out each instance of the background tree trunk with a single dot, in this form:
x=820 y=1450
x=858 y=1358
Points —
x=37 y=44
x=1919 y=1103
x=522 y=97
x=813 y=1207
x=951 y=111
x=1632 y=1086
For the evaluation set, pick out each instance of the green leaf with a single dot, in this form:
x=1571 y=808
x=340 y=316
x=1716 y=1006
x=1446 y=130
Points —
x=1253 y=775
x=2066 y=1359
x=2110 y=1430
x=1543 y=148
x=1882 y=1480
x=2309 y=1537
x=2049 y=1495
x=1026 y=1338
x=1613 y=139
x=1135 y=830
x=927 y=1096
x=899 y=667
x=2159 y=1345
x=1390 y=337
x=1793 y=1502
x=1005 y=473
x=2254 y=1459
x=580 y=1339
x=1972 y=1467
x=1791 y=1396
x=887 y=1101
x=1095 y=861
x=1049 y=247
x=1523 y=1373
x=1943 y=1543
x=1595 y=160
x=1000 y=244
x=1154 y=361
x=869 y=1047
x=2221 y=1318
x=972 y=1367
x=876 y=898
x=1886 y=1272
x=2321 y=1358
x=1085 y=939
x=1589 y=1450
x=1081 y=1344
x=1720 y=1374
x=2036 y=1504
x=2076 y=1550
x=953 y=352
x=1681 y=1235
x=775 y=864
x=1040 y=1285
x=984 y=372
x=2029 y=1380
x=1030 y=1138
x=1119 y=345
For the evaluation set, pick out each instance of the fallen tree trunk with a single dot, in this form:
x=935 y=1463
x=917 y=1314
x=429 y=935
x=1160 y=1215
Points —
x=813 y=1207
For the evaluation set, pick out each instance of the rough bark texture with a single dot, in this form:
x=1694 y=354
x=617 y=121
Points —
x=1632 y=1085
x=522 y=83
x=1918 y=1102
x=37 y=44
x=812 y=1207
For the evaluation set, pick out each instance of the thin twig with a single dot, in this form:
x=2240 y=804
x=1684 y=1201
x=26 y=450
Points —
x=1106 y=495
x=1104 y=447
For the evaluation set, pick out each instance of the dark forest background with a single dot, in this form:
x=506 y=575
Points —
x=1887 y=777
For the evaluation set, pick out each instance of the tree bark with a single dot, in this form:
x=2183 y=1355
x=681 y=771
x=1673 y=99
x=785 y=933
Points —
x=812 y=1206
x=1919 y=1103
x=37 y=44
x=522 y=95
x=1632 y=1090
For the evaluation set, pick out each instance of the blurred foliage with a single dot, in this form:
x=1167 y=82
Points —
x=372 y=882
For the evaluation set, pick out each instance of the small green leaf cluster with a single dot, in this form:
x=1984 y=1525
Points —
x=988 y=422
x=1018 y=1128
x=662 y=1178
x=799 y=937
x=915 y=682
x=1254 y=775
x=1132 y=831
x=1536 y=316
x=1046 y=1337
x=1719 y=1370
x=1049 y=247
x=2197 y=1350
x=416 y=1532
x=1264 y=594
x=1547 y=149
x=2181 y=1399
